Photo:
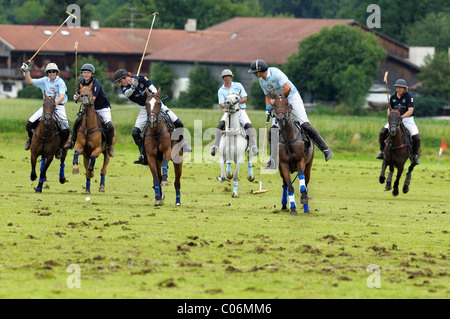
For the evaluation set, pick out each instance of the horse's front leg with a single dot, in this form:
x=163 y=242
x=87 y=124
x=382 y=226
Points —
x=303 y=190
x=178 y=168
x=408 y=179
x=285 y=175
x=33 y=174
x=382 y=178
x=103 y=171
x=165 y=168
x=397 y=180
x=62 y=177
x=88 y=175
x=43 y=174
x=156 y=181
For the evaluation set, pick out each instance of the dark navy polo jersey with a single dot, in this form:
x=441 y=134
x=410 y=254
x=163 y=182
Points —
x=101 y=100
x=139 y=95
x=402 y=104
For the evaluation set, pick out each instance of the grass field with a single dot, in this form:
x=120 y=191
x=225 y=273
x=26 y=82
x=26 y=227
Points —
x=218 y=247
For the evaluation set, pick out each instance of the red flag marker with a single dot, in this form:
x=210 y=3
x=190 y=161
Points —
x=443 y=146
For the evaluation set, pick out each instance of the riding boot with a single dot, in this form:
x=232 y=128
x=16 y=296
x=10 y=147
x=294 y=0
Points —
x=71 y=143
x=179 y=129
x=139 y=141
x=64 y=135
x=251 y=133
x=217 y=138
x=381 y=138
x=318 y=140
x=273 y=148
x=109 y=138
x=30 y=135
x=416 y=148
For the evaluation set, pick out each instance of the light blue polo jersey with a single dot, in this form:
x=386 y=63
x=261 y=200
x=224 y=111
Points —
x=274 y=82
x=57 y=87
x=235 y=87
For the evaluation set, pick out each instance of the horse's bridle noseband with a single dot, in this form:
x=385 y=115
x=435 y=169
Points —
x=156 y=115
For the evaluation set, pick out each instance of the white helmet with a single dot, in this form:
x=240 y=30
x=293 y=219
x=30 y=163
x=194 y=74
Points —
x=51 y=66
x=226 y=72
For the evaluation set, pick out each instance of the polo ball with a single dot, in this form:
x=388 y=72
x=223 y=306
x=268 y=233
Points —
x=88 y=199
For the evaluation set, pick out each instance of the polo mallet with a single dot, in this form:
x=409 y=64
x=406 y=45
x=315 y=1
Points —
x=70 y=16
x=148 y=39
x=76 y=67
x=262 y=160
x=387 y=88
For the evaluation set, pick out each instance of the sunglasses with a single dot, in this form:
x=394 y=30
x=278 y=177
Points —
x=51 y=71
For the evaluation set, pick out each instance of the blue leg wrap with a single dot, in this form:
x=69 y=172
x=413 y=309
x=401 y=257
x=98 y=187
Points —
x=235 y=187
x=61 y=170
x=178 y=198
x=305 y=208
x=75 y=157
x=292 y=200
x=158 y=192
x=250 y=169
x=88 y=185
x=284 y=198
x=102 y=179
x=301 y=179
x=164 y=169
x=228 y=170
x=42 y=164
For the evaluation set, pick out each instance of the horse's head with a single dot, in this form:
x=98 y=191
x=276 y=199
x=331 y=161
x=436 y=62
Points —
x=48 y=108
x=153 y=106
x=86 y=95
x=281 y=108
x=394 y=120
x=232 y=103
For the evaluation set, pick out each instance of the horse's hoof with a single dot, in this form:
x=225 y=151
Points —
x=177 y=204
x=304 y=199
x=229 y=175
x=75 y=170
x=395 y=192
x=294 y=212
x=235 y=195
x=387 y=188
x=250 y=178
x=33 y=177
x=405 y=190
x=284 y=207
x=219 y=178
x=101 y=188
x=164 y=183
x=87 y=192
x=158 y=202
x=38 y=190
x=62 y=180
x=382 y=179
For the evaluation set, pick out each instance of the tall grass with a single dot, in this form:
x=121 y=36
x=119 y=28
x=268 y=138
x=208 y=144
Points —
x=347 y=134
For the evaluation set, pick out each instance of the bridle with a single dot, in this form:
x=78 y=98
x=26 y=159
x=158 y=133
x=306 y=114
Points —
x=394 y=128
x=153 y=117
x=285 y=113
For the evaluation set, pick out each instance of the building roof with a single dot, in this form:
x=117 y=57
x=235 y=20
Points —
x=29 y=38
x=244 y=39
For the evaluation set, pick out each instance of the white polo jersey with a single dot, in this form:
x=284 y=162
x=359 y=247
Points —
x=274 y=82
x=57 y=87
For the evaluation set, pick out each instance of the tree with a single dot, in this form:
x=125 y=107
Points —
x=437 y=25
x=202 y=91
x=162 y=76
x=256 y=97
x=336 y=64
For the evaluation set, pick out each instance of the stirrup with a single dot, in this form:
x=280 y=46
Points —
x=58 y=154
x=254 y=150
x=380 y=156
x=140 y=160
x=185 y=146
x=69 y=145
x=416 y=159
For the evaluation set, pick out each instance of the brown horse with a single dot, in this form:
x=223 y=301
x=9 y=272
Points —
x=396 y=152
x=90 y=142
x=296 y=152
x=45 y=142
x=158 y=147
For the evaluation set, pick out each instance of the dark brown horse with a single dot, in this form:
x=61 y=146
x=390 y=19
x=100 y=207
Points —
x=90 y=140
x=45 y=142
x=159 y=150
x=296 y=153
x=396 y=152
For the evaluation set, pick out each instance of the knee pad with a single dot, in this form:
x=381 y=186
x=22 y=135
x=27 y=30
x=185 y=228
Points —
x=136 y=133
x=221 y=125
x=247 y=126
x=178 y=123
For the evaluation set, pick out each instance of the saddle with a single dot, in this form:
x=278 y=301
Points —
x=307 y=140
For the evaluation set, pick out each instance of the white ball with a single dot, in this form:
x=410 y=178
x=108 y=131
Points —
x=88 y=199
